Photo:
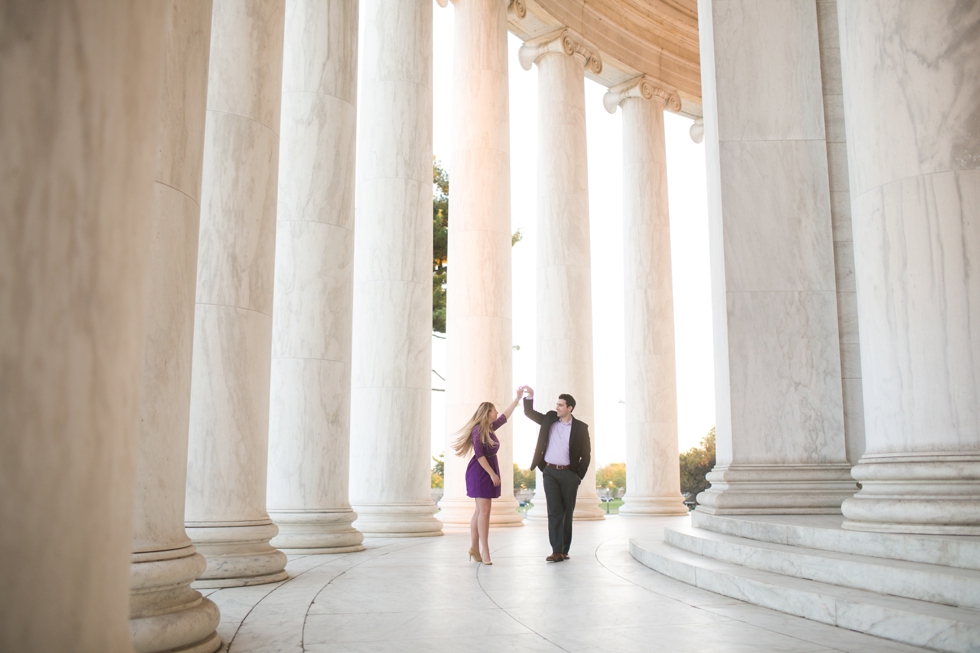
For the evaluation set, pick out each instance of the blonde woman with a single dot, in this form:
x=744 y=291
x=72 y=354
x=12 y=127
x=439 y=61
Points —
x=483 y=472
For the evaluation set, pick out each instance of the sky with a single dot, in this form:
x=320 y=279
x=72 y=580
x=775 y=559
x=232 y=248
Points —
x=689 y=253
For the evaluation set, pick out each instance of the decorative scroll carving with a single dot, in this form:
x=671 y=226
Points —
x=564 y=41
x=642 y=87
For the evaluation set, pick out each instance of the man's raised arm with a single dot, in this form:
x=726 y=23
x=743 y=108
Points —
x=529 y=411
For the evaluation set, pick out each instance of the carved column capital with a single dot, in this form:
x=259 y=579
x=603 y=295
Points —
x=642 y=87
x=563 y=41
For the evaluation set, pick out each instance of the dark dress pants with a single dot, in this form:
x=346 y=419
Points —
x=560 y=490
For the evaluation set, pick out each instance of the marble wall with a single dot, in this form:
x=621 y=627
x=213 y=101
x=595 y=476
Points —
x=780 y=422
x=309 y=423
x=840 y=215
x=911 y=97
x=78 y=126
x=229 y=424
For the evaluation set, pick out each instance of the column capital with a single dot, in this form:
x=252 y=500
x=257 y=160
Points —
x=563 y=41
x=643 y=87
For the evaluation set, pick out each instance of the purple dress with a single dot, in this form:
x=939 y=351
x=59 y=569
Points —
x=478 y=483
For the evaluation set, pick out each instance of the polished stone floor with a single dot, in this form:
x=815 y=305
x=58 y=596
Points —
x=422 y=594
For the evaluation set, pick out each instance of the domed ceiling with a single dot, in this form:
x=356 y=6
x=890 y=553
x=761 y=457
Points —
x=658 y=38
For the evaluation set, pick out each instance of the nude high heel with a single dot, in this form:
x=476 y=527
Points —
x=475 y=555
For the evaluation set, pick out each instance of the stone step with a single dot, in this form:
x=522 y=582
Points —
x=919 y=623
x=912 y=580
x=824 y=532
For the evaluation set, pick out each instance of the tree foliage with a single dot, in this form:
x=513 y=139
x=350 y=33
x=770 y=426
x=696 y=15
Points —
x=440 y=244
x=612 y=477
x=438 y=470
x=524 y=479
x=695 y=465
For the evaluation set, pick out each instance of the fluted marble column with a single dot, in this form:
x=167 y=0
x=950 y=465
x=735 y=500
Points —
x=226 y=481
x=309 y=424
x=652 y=464
x=78 y=126
x=778 y=391
x=165 y=613
x=564 y=278
x=478 y=318
x=911 y=98
x=392 y=360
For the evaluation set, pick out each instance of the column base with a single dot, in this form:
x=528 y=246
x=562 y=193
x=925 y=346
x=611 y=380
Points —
x=398 y=520
x=459 y=512
x=165 y=614
x=303 y=532
x=924 y=495
x=587 y=508
x=777 y=490
x=237 y=554
x=653 y=505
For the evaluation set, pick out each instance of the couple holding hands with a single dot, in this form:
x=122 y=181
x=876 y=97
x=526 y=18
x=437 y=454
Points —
x=562 y=454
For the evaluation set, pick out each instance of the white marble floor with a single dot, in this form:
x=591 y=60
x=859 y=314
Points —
x=421 y=594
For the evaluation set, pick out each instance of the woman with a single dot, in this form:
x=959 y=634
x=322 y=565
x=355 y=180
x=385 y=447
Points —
x=482 y=472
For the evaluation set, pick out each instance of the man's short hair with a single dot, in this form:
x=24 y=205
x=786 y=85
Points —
x=569 y=400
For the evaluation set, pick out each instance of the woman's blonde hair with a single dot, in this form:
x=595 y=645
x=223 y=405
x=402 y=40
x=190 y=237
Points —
x=480 y=418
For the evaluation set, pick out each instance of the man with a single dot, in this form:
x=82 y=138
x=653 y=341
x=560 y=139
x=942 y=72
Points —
x=562 y=454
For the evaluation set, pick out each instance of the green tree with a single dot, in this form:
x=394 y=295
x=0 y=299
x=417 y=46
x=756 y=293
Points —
x=695 y=465
x=524 y=479
x=611 y=477
x=440 y=244
x=438 y=470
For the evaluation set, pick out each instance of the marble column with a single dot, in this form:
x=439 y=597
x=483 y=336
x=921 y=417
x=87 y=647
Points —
x=392 y=360
x=78 y=125
x=478 y=309
x=652 y=464
x=229 y=426
x=165 y=613
x=780 y=424
x=309 y=414
x=564 y=276
x=911 y=98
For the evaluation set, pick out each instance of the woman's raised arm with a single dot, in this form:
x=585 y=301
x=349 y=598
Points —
x=510 y=408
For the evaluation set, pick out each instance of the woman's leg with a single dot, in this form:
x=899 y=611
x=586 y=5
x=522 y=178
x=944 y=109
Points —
x=474 y=528
x=483 y=525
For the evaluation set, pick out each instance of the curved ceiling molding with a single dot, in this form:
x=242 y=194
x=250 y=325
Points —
x=656 y=38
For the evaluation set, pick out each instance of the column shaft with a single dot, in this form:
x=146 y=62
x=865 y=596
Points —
x=652 y=462
x=391 y=396
x=478 y=307
x=780 y=427
x=229 y=434
x=165 y=613
x=78 y=110
x=564 y=274
x=309 y=425
x=911 y=98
